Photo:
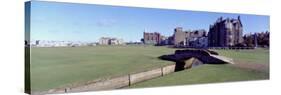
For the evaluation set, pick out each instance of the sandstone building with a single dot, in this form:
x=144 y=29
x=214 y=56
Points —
x=183 y=38
x=152 y=38
x=225 y=32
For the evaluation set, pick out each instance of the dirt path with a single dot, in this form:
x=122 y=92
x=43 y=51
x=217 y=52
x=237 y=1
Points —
x=253 y=66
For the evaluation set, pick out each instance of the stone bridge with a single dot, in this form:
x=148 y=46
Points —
x=194 y=57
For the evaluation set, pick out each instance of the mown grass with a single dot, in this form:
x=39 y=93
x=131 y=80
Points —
x=205 y=74
x=259 y=55
x=60 y=66
x=208 y=73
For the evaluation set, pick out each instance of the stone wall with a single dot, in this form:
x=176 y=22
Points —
x=108 y=84
x=168 y=69
x=142 y=76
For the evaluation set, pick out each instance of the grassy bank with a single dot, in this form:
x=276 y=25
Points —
x=219 y=73
x=205 y=74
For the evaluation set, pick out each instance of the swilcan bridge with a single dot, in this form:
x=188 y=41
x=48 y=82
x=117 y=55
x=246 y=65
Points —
x=194 y=57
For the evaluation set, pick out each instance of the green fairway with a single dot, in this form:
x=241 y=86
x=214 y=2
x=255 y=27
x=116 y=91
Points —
x=205 y=74
x=60 y=66
x=258 y=55
x=245 y=69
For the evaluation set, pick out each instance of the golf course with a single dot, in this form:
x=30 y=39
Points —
x=53 y=67
x=249 y=65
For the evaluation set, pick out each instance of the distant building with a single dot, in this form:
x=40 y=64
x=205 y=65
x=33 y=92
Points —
x=110 y=41
x=199 y=42
x=257 y=39
x=179 y=36
x=115 y=41
x=164 y=40
x=37 y=42
x=183 y=38
x=151 y=38
x=104 y=41
x=51 y=43
x=225 y=32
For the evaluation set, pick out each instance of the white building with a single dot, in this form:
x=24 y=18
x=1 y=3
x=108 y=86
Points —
x=47 y=43
x=110 y=41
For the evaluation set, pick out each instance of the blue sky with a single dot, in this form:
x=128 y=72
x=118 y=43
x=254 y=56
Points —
x=88 y=22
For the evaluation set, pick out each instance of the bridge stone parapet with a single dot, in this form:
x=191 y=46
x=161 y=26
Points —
x=184 y=58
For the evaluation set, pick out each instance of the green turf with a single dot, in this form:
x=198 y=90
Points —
x=205 y=74
x=217 y=73
x=60 y=66
x=258 y=55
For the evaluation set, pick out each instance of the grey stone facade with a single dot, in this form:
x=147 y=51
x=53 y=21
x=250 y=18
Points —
x=183 y=38
x=225 y=32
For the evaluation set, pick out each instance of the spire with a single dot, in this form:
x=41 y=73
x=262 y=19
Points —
x=239 y=17
x=239 y=20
